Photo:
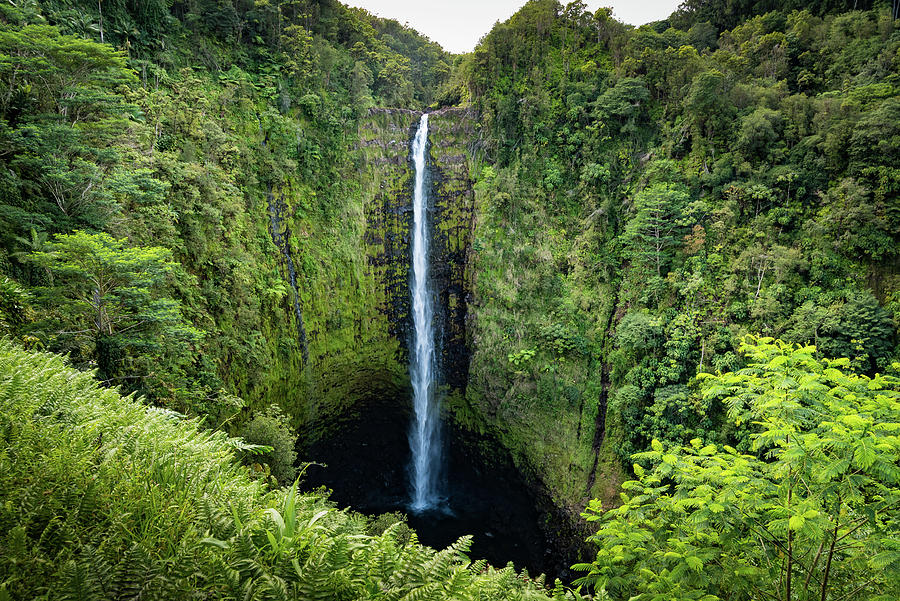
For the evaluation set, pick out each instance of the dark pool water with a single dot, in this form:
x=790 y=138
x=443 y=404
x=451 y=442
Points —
x=367 y=459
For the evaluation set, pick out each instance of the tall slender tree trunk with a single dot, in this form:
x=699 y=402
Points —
x=100 y=9
x=790 y=545
x=834 y=539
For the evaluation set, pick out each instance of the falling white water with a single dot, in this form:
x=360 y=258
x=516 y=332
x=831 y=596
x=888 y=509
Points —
x=424 y=433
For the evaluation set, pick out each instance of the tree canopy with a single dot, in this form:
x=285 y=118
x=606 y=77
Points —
x=810 y=511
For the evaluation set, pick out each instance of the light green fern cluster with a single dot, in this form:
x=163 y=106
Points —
x=102 y=498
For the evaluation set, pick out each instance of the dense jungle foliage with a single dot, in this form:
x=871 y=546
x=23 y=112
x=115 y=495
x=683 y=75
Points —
x=142 y=181
x=651 y=195
x=812 y=511
x=646 y=200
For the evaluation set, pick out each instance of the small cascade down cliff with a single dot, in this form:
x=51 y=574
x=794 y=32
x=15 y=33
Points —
x=280 y=234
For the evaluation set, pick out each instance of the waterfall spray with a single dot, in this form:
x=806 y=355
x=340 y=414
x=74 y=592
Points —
x=424 y=435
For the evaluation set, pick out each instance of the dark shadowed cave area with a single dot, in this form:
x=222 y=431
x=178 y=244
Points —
x=367 y=459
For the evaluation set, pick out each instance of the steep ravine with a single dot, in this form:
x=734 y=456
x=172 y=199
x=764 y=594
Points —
x=507 y=503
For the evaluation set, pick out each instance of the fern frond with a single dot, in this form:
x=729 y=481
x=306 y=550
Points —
x=77 y=583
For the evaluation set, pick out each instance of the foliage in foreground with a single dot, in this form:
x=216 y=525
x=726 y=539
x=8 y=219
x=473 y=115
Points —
x=104 y=498
x=812 y=513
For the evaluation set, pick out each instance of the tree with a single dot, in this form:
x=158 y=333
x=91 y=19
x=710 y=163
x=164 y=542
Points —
x=859 y=329
x=14 y=309
x=63 y=111
x=272 y=428
x=759 y=132
x=855 y=223
x=652 y=232
x=621 y=107
x=68 y=169
x=66 y=74
x=107 y=306
x=708 y=110
x=812 y=513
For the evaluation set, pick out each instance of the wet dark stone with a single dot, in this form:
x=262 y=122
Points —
x=485 y=497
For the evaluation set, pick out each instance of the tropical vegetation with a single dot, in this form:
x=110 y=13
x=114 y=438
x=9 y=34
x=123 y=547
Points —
x=683 y=316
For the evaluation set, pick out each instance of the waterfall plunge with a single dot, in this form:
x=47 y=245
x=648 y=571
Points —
x=424 y=435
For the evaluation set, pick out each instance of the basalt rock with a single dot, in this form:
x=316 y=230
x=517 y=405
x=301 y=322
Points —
x=454 y=224
x=384 y=145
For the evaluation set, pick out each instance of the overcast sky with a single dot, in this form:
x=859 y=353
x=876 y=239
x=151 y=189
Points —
x=457 y=25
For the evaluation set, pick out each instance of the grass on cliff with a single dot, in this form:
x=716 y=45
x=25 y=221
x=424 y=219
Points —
x=102 y=497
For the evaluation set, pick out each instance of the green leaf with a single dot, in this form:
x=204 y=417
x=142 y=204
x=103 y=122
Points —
x=864 y=455
x=214 y=542
x=854 y=421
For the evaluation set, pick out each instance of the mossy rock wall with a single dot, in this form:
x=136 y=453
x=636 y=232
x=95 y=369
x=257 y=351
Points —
x=387 y=172
x=354 y=307
x=451 y=134
x=357 y=319
x=346 y=337
x=351 y=282
x=387 y=178
x=495 y=435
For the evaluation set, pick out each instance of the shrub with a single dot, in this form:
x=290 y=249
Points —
x=273 y=429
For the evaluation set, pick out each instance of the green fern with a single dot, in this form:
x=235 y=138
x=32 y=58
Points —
x=136 y=505
x=79 y=583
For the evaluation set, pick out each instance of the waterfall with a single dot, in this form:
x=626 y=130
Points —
x=424 y=435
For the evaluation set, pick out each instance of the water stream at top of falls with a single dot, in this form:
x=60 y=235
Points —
x=424 y=435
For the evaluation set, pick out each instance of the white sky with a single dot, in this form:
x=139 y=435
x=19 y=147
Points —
x=457 y=25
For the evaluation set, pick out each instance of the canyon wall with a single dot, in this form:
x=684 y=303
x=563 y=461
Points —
x=369 y=360
x=386 y=173
x=355 y=311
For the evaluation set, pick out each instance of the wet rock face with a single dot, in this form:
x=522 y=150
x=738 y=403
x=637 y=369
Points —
x=451 y=133
x=280 y=232
x=385 y=149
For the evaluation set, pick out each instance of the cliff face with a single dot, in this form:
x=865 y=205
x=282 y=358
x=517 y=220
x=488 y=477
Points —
x=387 y=174
x=360 y=362
x=387 y=179
x=453 y=201
x=367 y=357
x=351 y=280
x=355 y=306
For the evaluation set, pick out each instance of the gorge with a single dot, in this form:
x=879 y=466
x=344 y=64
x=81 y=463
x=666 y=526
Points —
x=370 y=463
x=291 y=299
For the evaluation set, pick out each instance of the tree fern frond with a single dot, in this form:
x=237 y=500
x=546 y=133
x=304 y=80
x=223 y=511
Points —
x=456 y=586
